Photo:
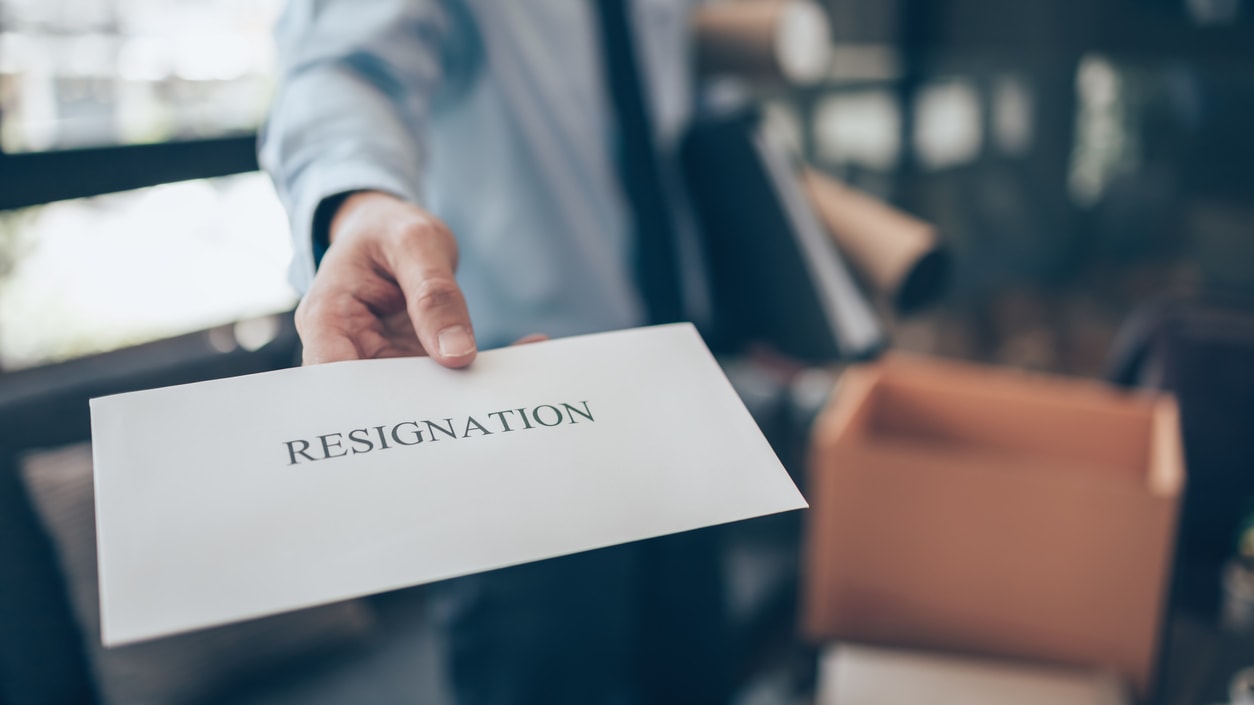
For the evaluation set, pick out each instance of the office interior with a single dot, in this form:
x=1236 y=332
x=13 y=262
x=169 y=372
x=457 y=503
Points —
x=1072 y=175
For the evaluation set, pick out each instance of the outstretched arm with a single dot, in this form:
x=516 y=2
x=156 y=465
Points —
x=343 y=145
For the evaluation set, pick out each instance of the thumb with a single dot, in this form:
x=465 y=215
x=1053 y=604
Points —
x=423 y=262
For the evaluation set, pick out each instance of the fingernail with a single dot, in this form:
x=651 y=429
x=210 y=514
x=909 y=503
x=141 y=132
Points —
x=456 y=342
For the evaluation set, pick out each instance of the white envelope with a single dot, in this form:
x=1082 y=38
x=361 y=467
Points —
x=238 y=498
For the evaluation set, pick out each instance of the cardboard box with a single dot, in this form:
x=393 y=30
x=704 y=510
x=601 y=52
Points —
x=993 y=512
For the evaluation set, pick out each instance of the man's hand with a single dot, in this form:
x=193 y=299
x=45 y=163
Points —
x=386 y=288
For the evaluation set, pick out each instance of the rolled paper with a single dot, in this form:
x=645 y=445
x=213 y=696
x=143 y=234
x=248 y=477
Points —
x=781 y=40
x=898 y=255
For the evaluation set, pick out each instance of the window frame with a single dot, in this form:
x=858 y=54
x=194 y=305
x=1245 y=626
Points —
x=36 y=178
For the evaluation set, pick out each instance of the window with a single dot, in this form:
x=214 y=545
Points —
x=100 y=273
x=131 y=208
x=84 y=73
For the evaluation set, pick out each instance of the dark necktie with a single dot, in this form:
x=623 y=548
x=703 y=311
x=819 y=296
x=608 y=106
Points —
x=657 y=273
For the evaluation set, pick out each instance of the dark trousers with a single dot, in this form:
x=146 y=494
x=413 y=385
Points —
x=642 y=623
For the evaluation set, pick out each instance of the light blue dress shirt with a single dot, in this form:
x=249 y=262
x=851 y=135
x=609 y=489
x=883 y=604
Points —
x=495 y=116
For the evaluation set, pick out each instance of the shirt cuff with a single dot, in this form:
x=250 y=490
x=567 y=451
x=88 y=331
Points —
x=326 y=181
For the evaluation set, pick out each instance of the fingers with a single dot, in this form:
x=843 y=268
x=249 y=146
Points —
x=532 y=338
x=423 y=259
x=327 y=348
x=322 y=337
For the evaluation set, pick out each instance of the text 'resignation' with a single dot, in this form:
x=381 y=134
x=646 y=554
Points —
x=410 y=433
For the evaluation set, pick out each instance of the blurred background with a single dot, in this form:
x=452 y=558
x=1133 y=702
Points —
x=1079 y=156
x=156 y=104
x=1087 y=164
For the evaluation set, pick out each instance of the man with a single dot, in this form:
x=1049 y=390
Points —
x=461 y=175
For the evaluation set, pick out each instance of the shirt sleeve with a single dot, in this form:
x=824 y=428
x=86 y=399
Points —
x=356 y=79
